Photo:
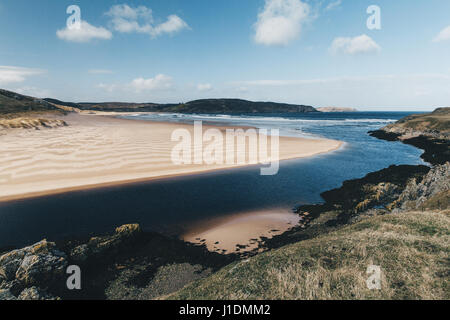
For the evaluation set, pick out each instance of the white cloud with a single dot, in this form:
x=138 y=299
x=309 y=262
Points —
x=107 y=87
x=333 y=5
x=126 y=12
x=9 y=74
x=443 y=35
x=84 y=33
x=100 y=71
x=126 y=19
x=204 y=87
x=356 y=45
x=172 y=25
x=159 y=82
x=280 y=22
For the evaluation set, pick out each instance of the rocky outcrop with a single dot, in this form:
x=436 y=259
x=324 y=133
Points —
x=35 y=293
x=5 y=294
x=434 y=125
x=98 y=247
x=375 y=189
x=432 y=192
x=38 y=264
x=429 y=132
x=42 y=269
x=24 y=271
x=38 y=271
x=10 y=263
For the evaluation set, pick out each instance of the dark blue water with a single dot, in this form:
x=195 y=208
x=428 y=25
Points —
x=173 y=205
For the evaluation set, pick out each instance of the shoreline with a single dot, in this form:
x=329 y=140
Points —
x=108 y=124
x=241 y=233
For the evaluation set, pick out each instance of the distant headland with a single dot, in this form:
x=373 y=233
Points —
x=214 y=106
x=336 y=109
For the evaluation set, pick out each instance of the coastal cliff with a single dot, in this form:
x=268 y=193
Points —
x=430 y=132
x=435 y=124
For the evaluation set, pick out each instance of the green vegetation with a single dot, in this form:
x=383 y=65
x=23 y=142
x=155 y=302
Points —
x=13 y=105
x=19 y=111
x=228 y=106
x=411 y=248
x=438 y=120
x=236 y=106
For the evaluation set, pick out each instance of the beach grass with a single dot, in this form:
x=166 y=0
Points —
x=30 y=122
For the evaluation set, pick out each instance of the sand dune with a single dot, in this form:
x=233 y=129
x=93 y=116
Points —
x=98 y=150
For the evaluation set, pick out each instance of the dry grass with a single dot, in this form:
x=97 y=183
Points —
x=30 y=123
x=411 y=249
x=439 y=120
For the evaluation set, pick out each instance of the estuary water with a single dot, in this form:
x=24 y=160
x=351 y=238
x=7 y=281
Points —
x=174 y=204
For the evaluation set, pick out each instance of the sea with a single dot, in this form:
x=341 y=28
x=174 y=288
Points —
x=173 y=205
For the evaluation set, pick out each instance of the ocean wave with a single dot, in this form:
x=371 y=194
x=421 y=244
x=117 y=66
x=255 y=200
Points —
x=222 y=117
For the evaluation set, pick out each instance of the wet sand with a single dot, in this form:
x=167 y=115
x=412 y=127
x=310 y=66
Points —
x=242 y=232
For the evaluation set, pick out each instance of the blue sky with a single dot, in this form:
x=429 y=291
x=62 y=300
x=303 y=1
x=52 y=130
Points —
x=317 y=52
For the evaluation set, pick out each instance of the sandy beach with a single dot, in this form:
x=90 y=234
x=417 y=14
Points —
x=95 y=150
x=241 y=232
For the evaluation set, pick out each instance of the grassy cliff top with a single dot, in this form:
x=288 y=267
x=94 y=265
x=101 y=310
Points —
x=411 y=248
x=438 y=120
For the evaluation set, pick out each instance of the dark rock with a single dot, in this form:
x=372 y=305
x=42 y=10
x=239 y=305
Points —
x=429 y=132
x=38 y=264
x=42 y=269
x=5 y=294
x=102 y=246
x=436 y=151
x=384 y=135
x=35 y=293
x=417 y=193
x=375 y=189
x=10 y=262
x=15 y=286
